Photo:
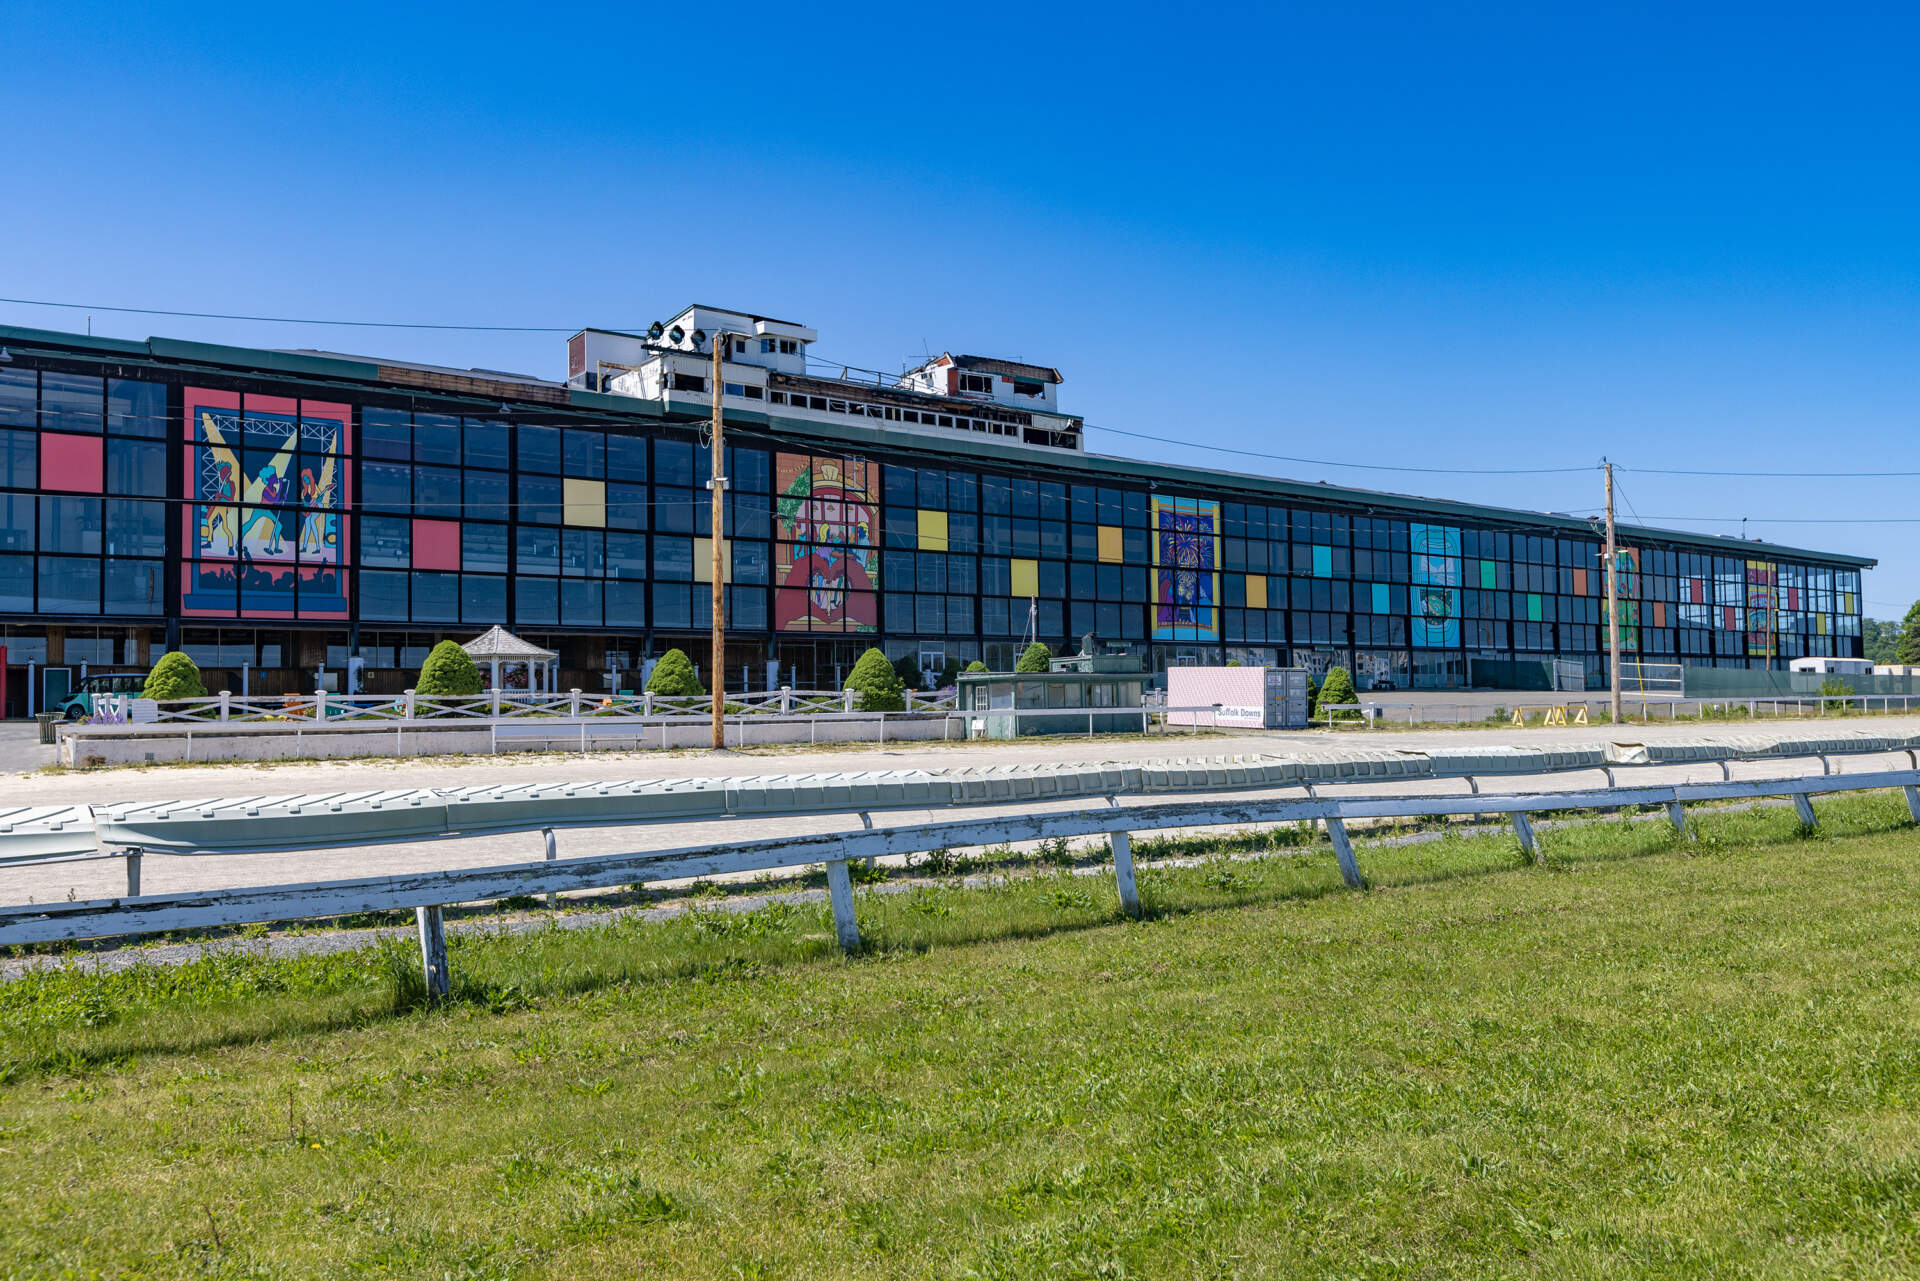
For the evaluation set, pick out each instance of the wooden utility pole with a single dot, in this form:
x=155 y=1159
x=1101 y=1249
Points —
x=719 y=487
x=1613 y=601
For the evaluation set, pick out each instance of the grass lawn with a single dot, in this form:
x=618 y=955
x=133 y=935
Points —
x=1649 y=1058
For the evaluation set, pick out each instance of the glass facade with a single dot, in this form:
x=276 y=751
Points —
x=403 y=516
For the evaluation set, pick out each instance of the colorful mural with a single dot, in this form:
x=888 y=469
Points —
x=1626 y=563
x=267 y=495
x=1186 y=565
x=826 y=567
x=1436 y=586
x=1762 y=581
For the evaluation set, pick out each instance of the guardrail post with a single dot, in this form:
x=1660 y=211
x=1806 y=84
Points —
x=1678 y=814
x=433 y=951
x=553 y=852
x=319 y=704
x=1122 y=846
x=1343 y=850
x=1804 y=804
x=1523 y=828
x=840 y=894
x=408 y=715
x=846 y=700
x=1913 y=802
x=576 y=702
x=786 y=700
x=226 y=703
x=133 y=871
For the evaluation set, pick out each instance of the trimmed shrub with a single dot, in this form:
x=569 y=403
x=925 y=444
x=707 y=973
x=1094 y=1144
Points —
x=1339 y=689
x=907 y=668
x=977 y=668
x=874 y=679
x=174 y=676
x=949 y=672
x=449 y=672
x=1035 y=659
x=674 y=676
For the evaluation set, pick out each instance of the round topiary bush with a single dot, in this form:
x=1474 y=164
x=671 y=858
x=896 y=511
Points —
x=1338 y=688
x=674 y=676
x=174 y=676
x=1035 y=659
x=879 y=686
x=977 y=668
x=449 y=672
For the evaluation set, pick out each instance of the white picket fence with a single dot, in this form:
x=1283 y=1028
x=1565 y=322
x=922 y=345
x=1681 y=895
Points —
x=429 y=892
x=499 y=704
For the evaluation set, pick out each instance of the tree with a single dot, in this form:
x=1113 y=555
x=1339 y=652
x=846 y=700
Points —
x=874 y=679
x=174 y=676
x=1908 y=651
x=1338 y=688
x=449 y=672
x=1036 y=659
x=1880 y=640
x=674 y=676
x=907 y=668
x=977 y=668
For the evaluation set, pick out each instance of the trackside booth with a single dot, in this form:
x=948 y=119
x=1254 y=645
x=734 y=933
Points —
x=1238 y=697
x=1062 y=702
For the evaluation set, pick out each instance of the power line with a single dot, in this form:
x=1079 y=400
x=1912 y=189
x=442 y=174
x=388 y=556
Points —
x=1327 y=462
x=296 y=320
x=1791 y=475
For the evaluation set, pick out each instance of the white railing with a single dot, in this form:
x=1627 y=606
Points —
x=1376 y=714
x=321 y=706
x=430 y=892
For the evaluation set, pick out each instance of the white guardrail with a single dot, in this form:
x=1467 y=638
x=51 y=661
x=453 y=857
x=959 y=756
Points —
x=1651 y=709
x=258 y=824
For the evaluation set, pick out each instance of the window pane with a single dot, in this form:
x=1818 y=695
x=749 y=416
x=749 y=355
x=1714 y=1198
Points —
x=626 y=506
x=486 y=444
x=580 y=602
x=385 y=433
x=536 y=600
x=136 y=408
x=626 y=458
x=136 y=529
x=538 y=550
x=137 y=467
x=16 y=584
x=673 y=462
x=16 y=522
x=70 y=525
x=626 y=603
x=134 y=587
x=486 y=496
x=19 y=459
x=436 y=439
x=386 y=486
x=483 y=547
x=71 y=402
x=383 y=595
x=586 y=453
x=386 y=541
x=436 y=492
x=69 y=585
x=539 y=500
x=539 y=448
x=19 y=398
x=483 y=599
x=436 y=597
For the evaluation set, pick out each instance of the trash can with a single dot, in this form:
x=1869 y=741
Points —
x=47 y=721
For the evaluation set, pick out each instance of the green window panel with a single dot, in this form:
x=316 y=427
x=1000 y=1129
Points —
x=1322 y=562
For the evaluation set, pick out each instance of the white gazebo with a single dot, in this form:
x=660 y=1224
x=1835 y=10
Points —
x=497 y=650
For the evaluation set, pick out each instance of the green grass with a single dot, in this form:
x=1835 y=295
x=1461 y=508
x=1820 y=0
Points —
x=1648 y=1058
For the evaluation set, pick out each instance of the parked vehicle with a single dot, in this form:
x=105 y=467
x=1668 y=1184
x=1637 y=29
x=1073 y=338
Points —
x=80 y=702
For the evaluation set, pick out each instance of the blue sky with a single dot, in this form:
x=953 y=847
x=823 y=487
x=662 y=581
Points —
x=1487 y=238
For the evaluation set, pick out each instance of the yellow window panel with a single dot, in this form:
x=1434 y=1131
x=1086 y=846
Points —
x=703 y=560
x=1256 y=591
x=584 y=502
x=1110 y=544
x=1026 y=577
x=933 y=531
